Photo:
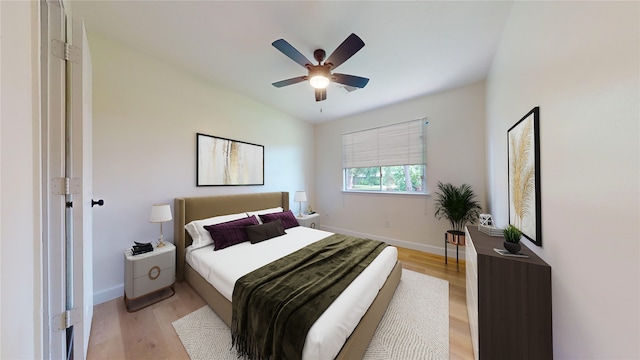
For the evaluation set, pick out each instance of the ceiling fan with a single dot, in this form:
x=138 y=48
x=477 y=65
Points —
x=320 y=75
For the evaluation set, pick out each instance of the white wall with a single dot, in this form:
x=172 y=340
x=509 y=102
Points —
x=579 y=61
x=145 y=118
x=20 y=249
x=455 y=154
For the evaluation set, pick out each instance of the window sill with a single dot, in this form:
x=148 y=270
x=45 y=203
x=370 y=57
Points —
x=384 y=193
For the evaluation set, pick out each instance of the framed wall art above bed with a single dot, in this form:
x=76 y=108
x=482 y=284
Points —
x=226 y=162
x=523 y=141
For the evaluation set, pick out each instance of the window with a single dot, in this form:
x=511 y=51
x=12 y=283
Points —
x=386 y=159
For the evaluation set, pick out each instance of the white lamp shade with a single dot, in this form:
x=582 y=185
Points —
x=160 y=213
x=300 y=196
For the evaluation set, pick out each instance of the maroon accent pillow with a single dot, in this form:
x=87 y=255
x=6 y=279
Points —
x=230 y=233
x=287 y=218
x=262 y=232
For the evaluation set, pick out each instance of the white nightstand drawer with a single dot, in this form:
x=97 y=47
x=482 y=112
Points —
x=154 y=280
x=163 y=260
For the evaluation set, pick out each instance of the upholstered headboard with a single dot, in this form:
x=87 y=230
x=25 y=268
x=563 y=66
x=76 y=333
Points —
x=196 y=208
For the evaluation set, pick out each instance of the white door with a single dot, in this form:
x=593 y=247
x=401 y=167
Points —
x=66 y=148
x=80 y=149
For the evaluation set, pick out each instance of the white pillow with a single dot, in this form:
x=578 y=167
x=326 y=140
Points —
x=200 y=235
x=264 y=211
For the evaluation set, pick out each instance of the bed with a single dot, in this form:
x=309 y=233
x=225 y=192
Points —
x=196 y=208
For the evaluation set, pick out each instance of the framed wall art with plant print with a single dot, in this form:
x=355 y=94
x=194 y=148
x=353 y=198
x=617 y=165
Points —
x=523 y=141
x=224 y=162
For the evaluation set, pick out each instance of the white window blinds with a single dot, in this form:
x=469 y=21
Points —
x=392 y=145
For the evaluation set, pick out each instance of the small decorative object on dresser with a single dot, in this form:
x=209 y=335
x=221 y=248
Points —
x=309 y=220
x=512 y=237
x=491 y=230
x=486 y=225
x=486 y=219
x=149 y=277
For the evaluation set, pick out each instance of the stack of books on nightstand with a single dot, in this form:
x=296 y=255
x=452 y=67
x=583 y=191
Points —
x=141 y=248
x=490 y=230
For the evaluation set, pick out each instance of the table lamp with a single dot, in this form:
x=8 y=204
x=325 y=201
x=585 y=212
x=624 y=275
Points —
x=299 y=197
x=160 y=213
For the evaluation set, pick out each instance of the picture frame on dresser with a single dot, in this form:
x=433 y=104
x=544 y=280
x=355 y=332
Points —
x=227 y=162
x=523 y=143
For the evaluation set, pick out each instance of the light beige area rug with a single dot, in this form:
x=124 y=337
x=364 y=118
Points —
x=415 y=326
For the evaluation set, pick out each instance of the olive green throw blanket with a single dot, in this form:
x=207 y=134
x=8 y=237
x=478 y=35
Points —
x=275 y=305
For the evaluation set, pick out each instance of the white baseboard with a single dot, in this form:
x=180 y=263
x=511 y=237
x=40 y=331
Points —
x=451 y=252
x=109 y=294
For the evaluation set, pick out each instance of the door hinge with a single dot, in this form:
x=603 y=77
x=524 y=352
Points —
x=66 y=51
x=66 y=186
x=67 y=319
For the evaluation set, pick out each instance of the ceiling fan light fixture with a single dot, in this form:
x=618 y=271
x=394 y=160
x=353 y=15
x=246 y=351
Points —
x=319 y=82
x=319 y=77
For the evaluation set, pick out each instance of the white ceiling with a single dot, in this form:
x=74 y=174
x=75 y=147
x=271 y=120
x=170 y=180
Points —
x=411 y=48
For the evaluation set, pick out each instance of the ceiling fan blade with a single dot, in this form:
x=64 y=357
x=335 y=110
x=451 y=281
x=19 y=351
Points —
x=344 y=51
x=349 y=88
x=291 y=52
x=321 y=94
x=350 y=80
x=291 y=81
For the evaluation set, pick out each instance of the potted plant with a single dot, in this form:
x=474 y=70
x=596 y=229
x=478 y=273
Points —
x=458 y=205
x=512 y=237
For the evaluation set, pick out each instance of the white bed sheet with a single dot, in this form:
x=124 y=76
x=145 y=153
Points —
x=328 y=334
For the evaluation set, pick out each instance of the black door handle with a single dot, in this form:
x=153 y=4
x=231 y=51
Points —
x=99 y=202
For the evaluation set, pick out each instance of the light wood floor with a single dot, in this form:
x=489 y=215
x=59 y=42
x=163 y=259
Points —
x=148 y=333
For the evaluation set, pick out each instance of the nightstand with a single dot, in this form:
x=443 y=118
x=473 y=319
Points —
x=149 y=277
x=311 y=221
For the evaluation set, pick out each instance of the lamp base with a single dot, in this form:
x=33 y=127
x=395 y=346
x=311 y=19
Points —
x=160 y=241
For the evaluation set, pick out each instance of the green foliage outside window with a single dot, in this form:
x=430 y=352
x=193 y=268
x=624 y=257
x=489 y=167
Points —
x=402 y=178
